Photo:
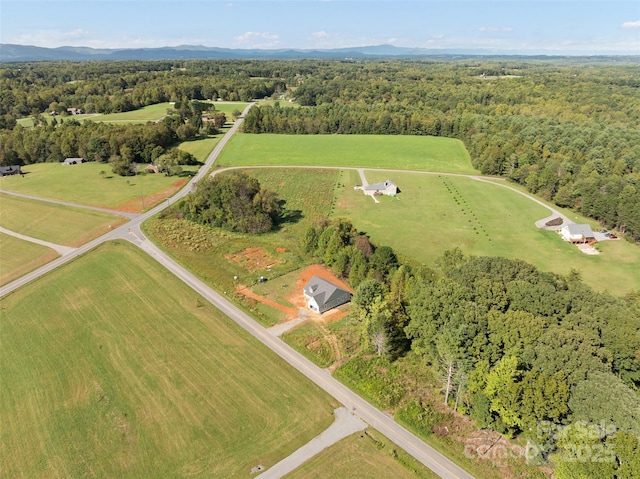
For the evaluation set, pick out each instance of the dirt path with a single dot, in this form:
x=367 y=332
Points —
x=344 y=425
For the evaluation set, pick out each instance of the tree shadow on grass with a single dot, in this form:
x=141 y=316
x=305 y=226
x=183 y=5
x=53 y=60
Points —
x=287 y=216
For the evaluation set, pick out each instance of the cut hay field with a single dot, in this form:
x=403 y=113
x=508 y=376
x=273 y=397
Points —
x=111 y=367
x=434 y=213
x=366 y=456
x=424 y=153
x=19 y=257
x=85 y=184
x=54 y=223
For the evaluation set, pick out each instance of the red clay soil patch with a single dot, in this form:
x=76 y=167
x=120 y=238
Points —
x=281 y=250
x=291 y=313
x=252 y=259
x=135 y=205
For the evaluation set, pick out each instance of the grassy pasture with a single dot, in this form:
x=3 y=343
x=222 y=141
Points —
x=434 y=213
x=203 y=252
x=19 y=257
x=360 y=455
x=141 y=115
x=200 y=148
x=373 y=151
x=84 y=184
x=114 y=368
x=55 y=223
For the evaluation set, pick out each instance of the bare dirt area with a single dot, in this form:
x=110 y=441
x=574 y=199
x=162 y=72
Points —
x=137 y=205
x=253 y=258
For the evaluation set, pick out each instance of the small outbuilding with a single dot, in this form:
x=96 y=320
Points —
x=322 y=295
x=577 y=233
x=73 y=161
x=10 y=170
x=152 y=168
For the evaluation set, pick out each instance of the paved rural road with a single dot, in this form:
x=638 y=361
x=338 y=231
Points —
x=381 y=421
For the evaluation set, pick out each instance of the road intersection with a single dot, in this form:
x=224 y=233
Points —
x=377 y=419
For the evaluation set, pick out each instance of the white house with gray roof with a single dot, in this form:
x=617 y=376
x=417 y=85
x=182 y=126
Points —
x=386 y=187
x=322 y=295
x=576 y=233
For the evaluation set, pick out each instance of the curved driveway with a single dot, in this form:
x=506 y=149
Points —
x=368 y=413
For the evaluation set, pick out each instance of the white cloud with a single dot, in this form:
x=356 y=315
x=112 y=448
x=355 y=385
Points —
x=319 y=35
x=258 y=40
x=631 y=25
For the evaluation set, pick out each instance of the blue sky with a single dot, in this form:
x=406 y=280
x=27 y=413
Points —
x=552 y=27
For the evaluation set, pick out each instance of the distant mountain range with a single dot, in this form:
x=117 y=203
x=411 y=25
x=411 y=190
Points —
x=29 y=53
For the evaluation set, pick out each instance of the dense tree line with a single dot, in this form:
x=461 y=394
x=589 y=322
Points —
x=521 y=351
x=567 y=130
x=233 y=201
x=121 y=145
x=111 y=87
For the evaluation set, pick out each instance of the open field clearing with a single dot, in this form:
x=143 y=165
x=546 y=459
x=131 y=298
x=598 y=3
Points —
x=435 y=213
x=218 y=256
x=373 y=151
x=54 y=223
x=19 y=257
x=363 y=455
x=200 y=148
x=114 y=368
x=142 y=115
x=94 y=184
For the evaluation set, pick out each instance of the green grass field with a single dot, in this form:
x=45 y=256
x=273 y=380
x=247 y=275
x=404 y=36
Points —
x=111 y=367
x=18 y=257
x=54 y=223
x=200 y=148
x=366 y=456
x=84 y=184
x=434 y=213
x=373 y=151
x=142 y=115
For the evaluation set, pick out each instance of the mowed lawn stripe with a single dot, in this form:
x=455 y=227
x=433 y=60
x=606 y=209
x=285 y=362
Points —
x=114 y=368
x=54 y=223
x=425 y=153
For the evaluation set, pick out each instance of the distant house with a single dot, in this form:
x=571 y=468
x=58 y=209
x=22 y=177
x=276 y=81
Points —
x=386 y=187
x=322 y=295
x=73 y=161
x=152 y=168
x=576 y=233
x=10 y=170
x=75 y=111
